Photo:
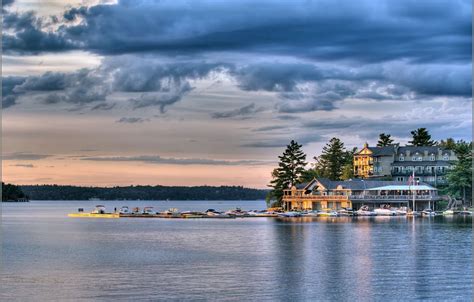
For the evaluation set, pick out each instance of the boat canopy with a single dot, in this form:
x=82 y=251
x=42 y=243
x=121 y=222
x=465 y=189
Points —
x=403 y=188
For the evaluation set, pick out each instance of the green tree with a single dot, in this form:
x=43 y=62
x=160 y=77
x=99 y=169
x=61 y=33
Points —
x=448 y=144
x=384 y=140
x=459 y=177
x=348 y=168
x=12 y=192
x=421 y=137
x=331 y=162
x=290 y=168
x=309 y=174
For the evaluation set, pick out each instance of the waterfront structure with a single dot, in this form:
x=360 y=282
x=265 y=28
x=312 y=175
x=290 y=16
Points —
x=321 y=193
x=430 y=163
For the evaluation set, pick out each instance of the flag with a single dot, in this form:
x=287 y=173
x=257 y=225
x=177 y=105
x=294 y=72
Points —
x=411 y=179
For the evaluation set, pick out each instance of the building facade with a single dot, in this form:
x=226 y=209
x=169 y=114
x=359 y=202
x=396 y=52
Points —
x=321 y=194
x=430 y=163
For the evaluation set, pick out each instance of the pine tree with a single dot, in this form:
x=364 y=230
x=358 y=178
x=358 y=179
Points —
x=331 y=162
x=448 y=144
x=290 y=168
x=384 y=140
x=421 y=137
x=459 y=177
x=348 y=168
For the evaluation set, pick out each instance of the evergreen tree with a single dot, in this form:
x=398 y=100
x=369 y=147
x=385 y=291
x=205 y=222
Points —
x=384 y=140
x=448 y=144
x=459 y=177
x=348 y=168
x=332 y=160
x=421 y=137
x=290 y=168
x=12 y=192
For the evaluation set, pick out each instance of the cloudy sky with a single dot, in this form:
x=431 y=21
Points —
x=209 y=92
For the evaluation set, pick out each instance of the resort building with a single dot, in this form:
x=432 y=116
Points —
x=321 y=193
x=430 y=163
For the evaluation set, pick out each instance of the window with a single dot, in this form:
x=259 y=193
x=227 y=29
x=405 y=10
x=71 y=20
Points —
x=432 y=157
x=413 y=158
x=420 y=158
x=445 y=157
x=400 y=179
x=401 y=158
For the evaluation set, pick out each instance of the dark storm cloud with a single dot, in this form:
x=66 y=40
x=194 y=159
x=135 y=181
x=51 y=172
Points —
x=8 y=95
x=23 y=165
x=155 y=159
x=365 y=31
x=378 y=50
x=24 y=156
x=242 y=113
x=147 y=82
x=131 y=120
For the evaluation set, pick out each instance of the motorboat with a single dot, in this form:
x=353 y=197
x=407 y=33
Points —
x=466 y=213
x=428 y=212
x=328 y=213
x=401 y=211
x=98 y=212
x=448 y=212
x=413 y=213
x=310 y=214
x=124 y=210
x=148 y=211
x=289 y=214
x=365 y=211
x=385 y=210
x=211 y=213
x=237 y=213
x=346 y=212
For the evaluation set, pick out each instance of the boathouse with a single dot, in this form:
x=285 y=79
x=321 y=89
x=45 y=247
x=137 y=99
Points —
x=322 y=193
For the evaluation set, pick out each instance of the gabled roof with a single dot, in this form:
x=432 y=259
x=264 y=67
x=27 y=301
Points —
x=354 y=184
x=383 y=151
x=422 y=149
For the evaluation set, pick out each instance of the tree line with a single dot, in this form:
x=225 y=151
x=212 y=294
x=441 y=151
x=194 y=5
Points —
x=57 y=192
x=11 y=192
x=336 y=163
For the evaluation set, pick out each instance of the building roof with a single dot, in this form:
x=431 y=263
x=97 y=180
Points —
x=403 y=187
x=354 y=184
x=383 y=151
x=422 y=149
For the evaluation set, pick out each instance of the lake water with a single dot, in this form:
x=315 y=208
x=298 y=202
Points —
x=50 y=257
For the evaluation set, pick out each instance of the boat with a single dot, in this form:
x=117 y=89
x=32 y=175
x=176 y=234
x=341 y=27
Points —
x=384 y=210
x=413 y=213
x=465 y=212
x=192 y=214
x=237 y=213
x=401 y=211
x=310 y=214
x=211 y=213
x=365 y=211
x=428 y=212
x=289 y=214
x=448 y=212
x=124 y=210
x=170 y=213
x=328 y=213
x=98 y=212
x=148 y=211
x=346 y=212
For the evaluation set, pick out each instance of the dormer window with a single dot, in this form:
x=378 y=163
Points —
x=445 y=157
x=401 y=158
x=414 y=158
x=432 y=157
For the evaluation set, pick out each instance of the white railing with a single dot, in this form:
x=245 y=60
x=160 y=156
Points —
x=361 y=197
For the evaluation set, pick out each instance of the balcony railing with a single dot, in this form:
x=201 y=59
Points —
x=362 y=197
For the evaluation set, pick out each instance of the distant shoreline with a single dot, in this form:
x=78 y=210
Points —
x=145 y=193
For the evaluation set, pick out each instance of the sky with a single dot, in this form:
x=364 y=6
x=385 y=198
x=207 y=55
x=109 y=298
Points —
x=105 y=93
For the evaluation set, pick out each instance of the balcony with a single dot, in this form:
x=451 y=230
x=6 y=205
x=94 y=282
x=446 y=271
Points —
x=316 y=197
x=366 y=197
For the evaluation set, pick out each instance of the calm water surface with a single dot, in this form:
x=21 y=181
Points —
x=50 y=257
